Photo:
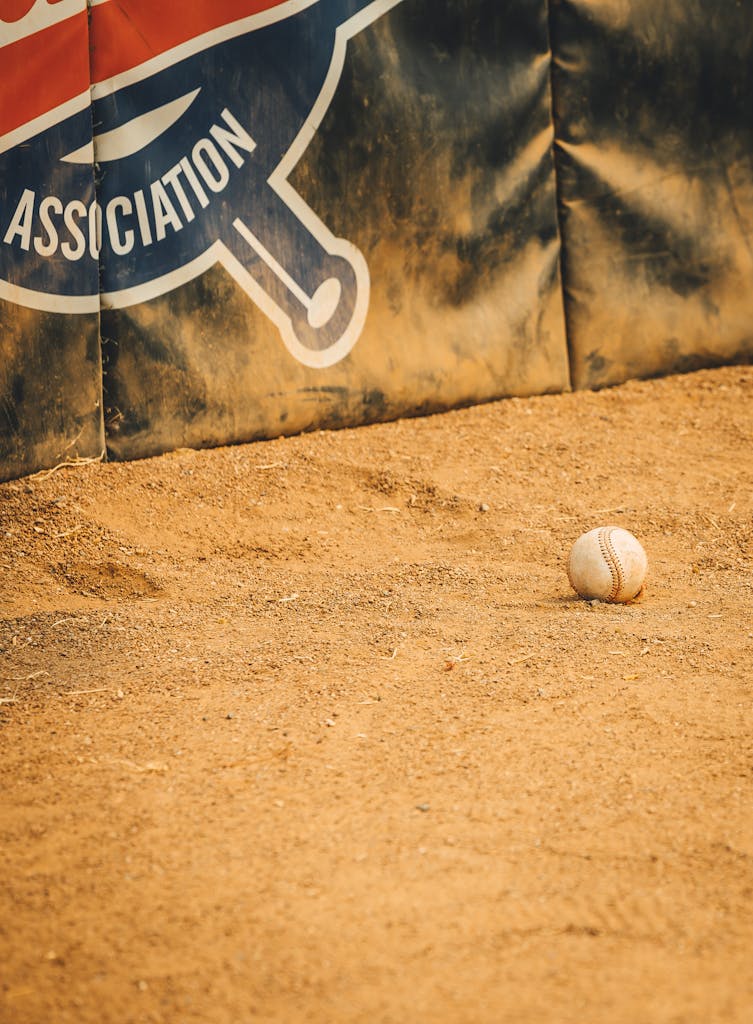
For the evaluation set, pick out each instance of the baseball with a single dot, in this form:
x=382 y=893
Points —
x=607 y=564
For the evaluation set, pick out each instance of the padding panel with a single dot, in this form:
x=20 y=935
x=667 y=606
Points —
x=653 y=102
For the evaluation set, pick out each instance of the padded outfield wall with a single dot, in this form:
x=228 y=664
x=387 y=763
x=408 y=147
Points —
x=230 y=220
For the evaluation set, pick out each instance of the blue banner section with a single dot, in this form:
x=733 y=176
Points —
x=652 y=106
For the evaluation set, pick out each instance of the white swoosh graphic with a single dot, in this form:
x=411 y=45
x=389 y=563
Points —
x=134 y=135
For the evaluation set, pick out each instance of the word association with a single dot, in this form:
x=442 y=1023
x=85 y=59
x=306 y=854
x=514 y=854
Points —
x=141 y=218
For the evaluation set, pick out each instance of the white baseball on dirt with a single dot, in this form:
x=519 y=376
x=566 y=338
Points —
x=607 y=564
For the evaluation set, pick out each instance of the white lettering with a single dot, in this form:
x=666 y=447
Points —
x=205 y=146
x=48 y=206
x=194 y=182
x=234 y=140
x=164 y=211
x=173 y=178
x=21 y=223
x=95 y=230
x=143 y=217
x=121 y=244
x=73 y=211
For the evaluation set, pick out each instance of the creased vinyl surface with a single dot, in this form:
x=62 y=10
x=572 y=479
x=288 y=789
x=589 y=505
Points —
x=50 y=365
x=435 y=160
x=655 y=161
x=50 y=389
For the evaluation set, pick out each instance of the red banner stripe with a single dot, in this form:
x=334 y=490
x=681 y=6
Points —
x=128 y=33
x=43 y=71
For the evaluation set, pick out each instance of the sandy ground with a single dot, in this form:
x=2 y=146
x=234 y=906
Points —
x=313 y=730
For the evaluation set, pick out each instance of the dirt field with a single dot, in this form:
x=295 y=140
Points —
x=314 y=731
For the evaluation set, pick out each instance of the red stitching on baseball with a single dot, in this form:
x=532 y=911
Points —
x=613 y=562
x=570 y=575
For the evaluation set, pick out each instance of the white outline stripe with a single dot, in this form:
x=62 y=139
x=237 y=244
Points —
x=44 y=121
x=46 y=302
x=158 y=286
x=134 y=135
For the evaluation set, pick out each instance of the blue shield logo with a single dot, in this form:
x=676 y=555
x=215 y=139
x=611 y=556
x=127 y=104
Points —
x=191 y=147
